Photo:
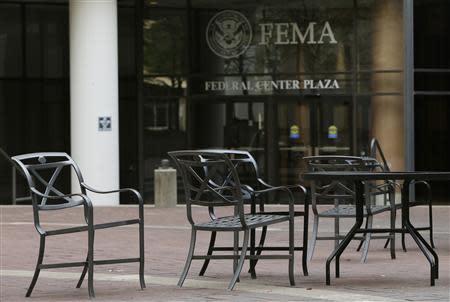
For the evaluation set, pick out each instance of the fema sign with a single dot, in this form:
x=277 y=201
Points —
x=229 y=34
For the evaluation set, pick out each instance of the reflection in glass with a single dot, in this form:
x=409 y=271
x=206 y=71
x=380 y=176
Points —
x=165 y=46
x=326 y=75
x=10 y=41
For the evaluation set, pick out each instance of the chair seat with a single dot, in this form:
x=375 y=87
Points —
x=233 y=223
x=350 y=211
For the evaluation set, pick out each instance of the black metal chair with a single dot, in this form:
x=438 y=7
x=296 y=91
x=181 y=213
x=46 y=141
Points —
x=210 y=180
x=253 y=184
x=377 y=152
x=342 y=195
x=42 y=172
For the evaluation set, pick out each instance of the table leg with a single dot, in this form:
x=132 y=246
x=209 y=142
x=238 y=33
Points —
x=305 y=237
x=252 y=241
x=359 y=204
x=426 y=249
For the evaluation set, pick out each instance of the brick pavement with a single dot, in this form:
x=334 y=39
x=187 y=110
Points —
x=167 y=238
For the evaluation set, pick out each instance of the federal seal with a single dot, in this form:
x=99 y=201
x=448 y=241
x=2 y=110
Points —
x=228 y=34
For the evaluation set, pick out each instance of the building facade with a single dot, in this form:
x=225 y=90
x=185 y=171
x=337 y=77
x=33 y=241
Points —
x=282 y=79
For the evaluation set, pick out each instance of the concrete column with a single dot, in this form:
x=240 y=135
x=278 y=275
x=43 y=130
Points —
x=387 y=111
x=94 y=94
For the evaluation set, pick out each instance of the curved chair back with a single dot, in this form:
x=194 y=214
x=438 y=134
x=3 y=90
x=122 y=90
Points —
x=334 y=163
x=336 y=191
x=210 y=179
x=43 y=174
x=244 y=163
x=376 y=151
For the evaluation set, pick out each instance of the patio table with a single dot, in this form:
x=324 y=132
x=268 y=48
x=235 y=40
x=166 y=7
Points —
x=359 y=177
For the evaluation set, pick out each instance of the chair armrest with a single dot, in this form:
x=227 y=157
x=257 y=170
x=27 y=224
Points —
x=84 y=200
x=282 y=188
x=300 y=187
x=263 y=183
x=135 y=193
x=271 y=189
x=279 y=188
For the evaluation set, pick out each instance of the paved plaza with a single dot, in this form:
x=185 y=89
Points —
x=166 y=243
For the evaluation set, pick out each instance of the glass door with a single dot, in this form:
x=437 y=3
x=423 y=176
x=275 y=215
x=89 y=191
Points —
x=294 y=139
x=332 y=127
x=311 y=127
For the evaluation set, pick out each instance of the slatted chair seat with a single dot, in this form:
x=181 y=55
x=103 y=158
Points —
x=233 y=223
x=350 y=211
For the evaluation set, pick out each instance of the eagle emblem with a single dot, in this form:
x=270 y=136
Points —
x=228 y=34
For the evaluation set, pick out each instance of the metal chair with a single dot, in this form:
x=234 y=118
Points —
x=210 y=180
x=248 y=171
x=342 y=195
x=377 y=152
x=42 y=172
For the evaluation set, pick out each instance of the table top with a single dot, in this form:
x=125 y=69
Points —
x=367 y=175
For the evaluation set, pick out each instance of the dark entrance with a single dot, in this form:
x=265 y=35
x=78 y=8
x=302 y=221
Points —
x=432 y=90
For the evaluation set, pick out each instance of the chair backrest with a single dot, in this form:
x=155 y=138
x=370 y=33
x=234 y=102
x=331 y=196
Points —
x=376 y=151
x=244 y=163
x=43 y=172
x=210 y=179
x=337 y=191
x=334 y=163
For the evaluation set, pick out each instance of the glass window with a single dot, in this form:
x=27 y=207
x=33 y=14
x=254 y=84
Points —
x=432 y=91
x=431 y=28
x=282 y=37
x=126 y=40
x=47 y=41
x=10 y=41
x=164 y=42
x=326 y=75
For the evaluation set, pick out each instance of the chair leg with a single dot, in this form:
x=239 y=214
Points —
x=252 y=270
x=305 y=240
x=189 y=258
x=38 y=264
x=403 y=237
x=387 y=242
x=392 y=234
x=235 y=251
x=430 y=219
x=91 y=255
x=241 y=261
x=312 y=243
x=141 y=253
x=291 y=252
x=83 y=273
x=367 y=240
x=262 y=240
x=212 y=242
x=336 y=232
x=361 y=242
